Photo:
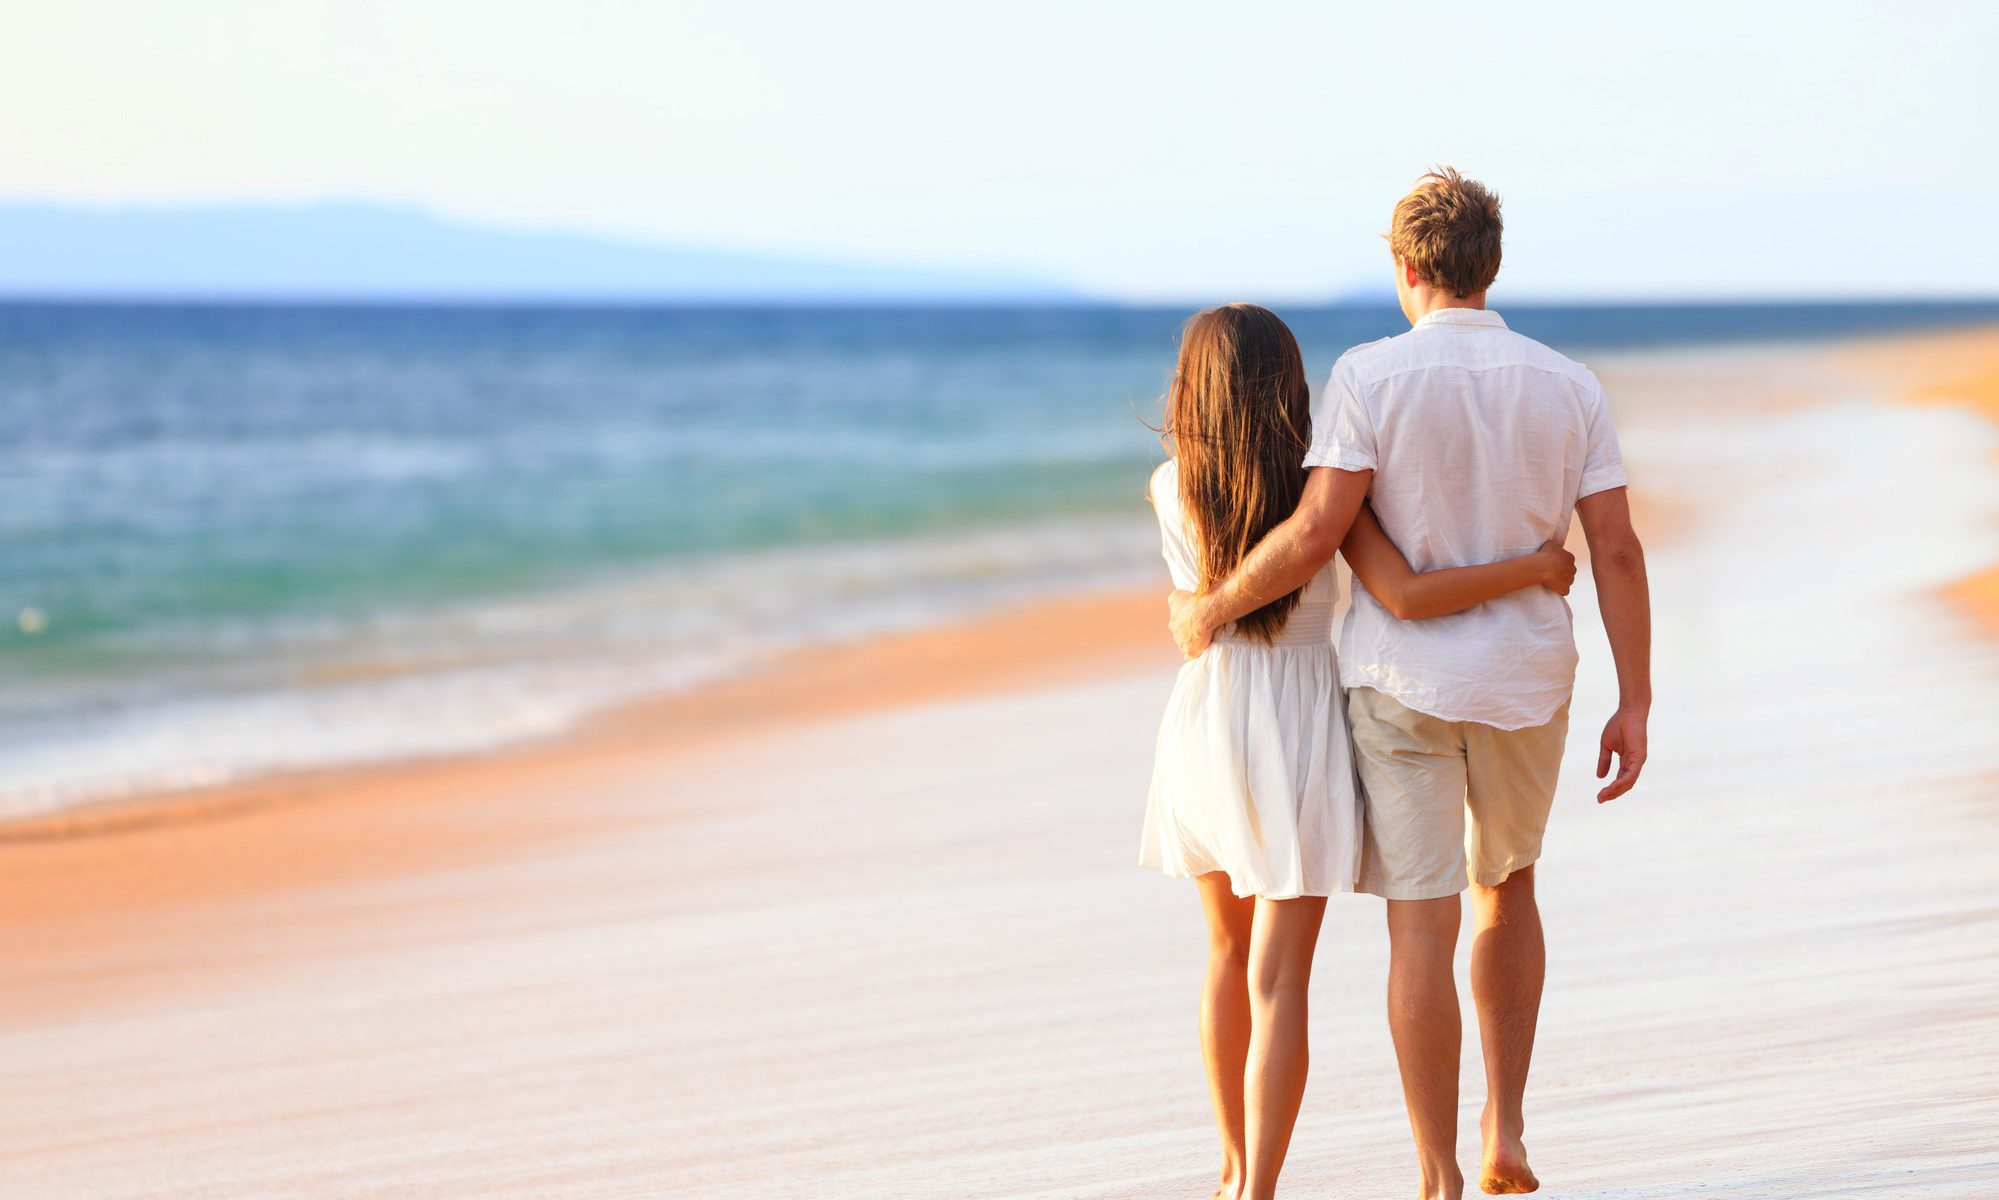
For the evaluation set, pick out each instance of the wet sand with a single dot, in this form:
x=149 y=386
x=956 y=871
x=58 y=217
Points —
x=868 y=924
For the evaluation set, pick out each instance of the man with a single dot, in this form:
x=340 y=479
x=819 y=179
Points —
x=1473 y=444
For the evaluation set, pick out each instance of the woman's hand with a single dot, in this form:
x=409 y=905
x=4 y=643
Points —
x=1558 y=567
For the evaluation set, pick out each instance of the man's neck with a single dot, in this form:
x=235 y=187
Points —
x=1423 y=302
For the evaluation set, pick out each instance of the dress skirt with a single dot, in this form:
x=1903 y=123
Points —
x=1253 y=773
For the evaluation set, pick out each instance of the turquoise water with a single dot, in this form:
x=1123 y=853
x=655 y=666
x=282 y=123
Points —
x=234 y=538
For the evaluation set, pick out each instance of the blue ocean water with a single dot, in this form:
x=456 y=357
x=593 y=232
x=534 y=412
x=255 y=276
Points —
x=237 y=538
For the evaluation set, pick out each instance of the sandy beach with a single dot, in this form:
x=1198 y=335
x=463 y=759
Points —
x=868 y=924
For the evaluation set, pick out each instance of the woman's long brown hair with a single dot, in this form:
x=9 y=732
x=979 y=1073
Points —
x=1239 y=413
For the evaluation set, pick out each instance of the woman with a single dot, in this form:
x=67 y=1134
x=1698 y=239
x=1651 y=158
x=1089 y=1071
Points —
x=1253 y=784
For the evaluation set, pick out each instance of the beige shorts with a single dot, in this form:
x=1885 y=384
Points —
x=1422 y=775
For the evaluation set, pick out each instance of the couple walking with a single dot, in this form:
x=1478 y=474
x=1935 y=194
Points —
x=1419 y=759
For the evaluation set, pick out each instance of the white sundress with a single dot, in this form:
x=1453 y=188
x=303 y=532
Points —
x=1253 y=774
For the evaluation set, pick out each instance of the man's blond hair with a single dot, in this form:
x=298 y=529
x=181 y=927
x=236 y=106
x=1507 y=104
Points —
x=1448 y=229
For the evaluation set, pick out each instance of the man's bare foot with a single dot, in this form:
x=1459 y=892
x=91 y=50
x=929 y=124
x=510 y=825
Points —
x=1441 y=1185
x=1506 y=1172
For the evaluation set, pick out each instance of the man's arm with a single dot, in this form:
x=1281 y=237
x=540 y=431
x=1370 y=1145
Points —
x=1284 y=561
x=1618 y=563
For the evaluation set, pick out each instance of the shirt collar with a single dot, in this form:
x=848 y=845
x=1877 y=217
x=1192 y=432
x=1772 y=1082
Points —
x=1462 y=316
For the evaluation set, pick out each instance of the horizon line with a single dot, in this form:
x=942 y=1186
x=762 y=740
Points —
x=232 y=299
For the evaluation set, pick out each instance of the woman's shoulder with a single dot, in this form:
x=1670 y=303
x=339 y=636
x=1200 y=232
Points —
x=1165 y=484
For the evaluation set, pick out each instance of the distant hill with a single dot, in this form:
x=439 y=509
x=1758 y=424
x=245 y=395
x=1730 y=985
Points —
x=330 y=251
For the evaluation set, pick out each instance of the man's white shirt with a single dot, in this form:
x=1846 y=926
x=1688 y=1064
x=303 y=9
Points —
x=1481 y=441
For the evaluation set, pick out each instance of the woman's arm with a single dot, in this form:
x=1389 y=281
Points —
x=1411 y=597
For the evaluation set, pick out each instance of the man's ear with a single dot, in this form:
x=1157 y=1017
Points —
x=1409 y=276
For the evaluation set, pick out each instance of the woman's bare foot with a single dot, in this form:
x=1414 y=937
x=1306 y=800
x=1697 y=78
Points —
x=1506 y=1172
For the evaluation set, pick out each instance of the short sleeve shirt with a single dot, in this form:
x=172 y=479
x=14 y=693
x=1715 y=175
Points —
x=1481 y=441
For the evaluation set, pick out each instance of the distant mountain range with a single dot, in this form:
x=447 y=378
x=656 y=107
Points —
x=359 y=251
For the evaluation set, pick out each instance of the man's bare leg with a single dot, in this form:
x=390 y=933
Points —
x=1225 y=1019
x=1508 y=963
x=1280 y=968
x=1423 y=1018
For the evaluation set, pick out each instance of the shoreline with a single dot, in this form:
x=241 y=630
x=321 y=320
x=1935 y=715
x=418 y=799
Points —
x=1020 y=646
x=1038 y=641
x=1961 y=370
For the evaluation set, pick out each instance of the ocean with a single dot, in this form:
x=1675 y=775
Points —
x=238 y=539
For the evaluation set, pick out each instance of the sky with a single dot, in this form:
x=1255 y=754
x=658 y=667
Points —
x=1156 y=151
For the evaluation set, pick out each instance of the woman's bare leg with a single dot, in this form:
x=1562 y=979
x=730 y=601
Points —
x=1225 y=1017
x=1280 y=966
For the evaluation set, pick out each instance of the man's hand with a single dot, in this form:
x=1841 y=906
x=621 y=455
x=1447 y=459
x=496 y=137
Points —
x=1285 y=560
x=1624 y=599
x=1623 y=736
x=1185 y=620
